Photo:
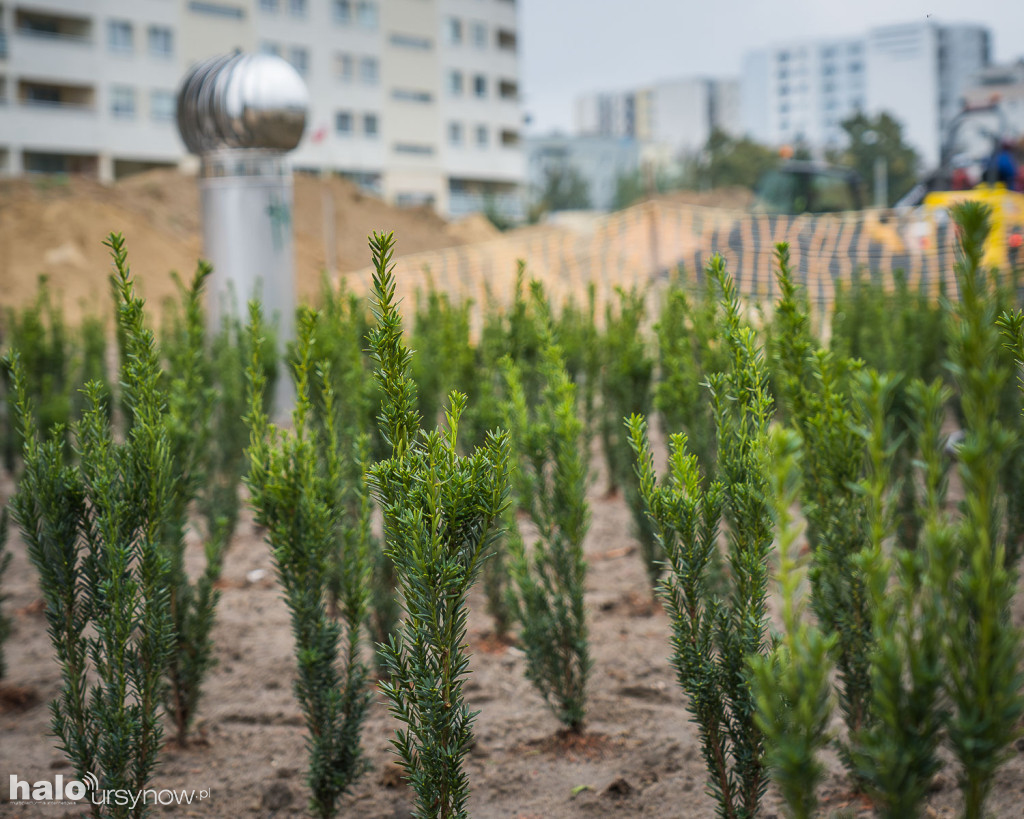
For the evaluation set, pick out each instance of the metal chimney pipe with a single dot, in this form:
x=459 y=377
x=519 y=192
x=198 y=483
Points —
x=241 y=114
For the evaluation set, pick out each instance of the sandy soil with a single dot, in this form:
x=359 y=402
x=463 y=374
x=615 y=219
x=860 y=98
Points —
x=158 y=212
x=639 y=756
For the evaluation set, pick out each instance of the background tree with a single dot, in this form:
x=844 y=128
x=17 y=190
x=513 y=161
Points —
x=871 y=138
x=564 y=189
x=727 y=161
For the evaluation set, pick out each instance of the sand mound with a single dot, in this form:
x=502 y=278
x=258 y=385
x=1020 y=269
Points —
x=55 y=226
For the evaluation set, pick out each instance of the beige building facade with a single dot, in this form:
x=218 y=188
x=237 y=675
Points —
x=417 y=100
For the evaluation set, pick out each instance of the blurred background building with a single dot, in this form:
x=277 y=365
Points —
x=418 y=102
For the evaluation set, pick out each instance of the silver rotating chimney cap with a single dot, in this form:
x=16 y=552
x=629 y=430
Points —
x=242 y=101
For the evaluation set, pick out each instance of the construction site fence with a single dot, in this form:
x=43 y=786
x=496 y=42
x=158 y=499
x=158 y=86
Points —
x=650 y=243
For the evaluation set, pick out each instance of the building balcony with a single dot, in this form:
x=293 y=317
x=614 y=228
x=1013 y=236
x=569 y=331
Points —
x=54 y=56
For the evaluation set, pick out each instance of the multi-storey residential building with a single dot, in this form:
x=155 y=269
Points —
x=679 y=114
x=920 y=72
x=416 y=100
x=799 y=93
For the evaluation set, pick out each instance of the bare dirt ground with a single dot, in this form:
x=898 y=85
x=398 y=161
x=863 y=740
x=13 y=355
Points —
x=639 y=755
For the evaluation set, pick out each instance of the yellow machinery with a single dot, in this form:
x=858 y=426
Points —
x=1004 y=245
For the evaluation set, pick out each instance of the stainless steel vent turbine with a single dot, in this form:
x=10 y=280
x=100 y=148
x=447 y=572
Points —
x=241 y=113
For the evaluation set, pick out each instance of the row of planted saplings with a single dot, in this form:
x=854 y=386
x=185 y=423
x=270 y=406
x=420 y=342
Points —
x=901 y=589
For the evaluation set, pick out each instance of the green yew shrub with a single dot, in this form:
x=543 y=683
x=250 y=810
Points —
x=94 y=532
x=627 y=373
x=714 y=638
x=58 y=362
x=791 y=683
x=5 y=559
x=983 y=651
x=895 y=754
x=439 y=510
x=548 y=583
x=191 y=399
x=689 y=350
x=297 y=481
x=814 y=388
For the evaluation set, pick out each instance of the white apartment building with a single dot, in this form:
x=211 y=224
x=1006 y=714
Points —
x=800 y=92
x=920 y=73
x=415 y=99
x=679 y=114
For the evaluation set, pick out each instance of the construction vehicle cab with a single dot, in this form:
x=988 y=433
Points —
x=800 y=186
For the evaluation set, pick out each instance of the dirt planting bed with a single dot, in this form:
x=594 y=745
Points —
x=639 y=755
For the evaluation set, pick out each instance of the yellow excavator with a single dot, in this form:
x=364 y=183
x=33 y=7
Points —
x=966 y=173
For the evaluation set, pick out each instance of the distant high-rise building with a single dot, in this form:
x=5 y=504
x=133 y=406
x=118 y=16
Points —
x=679 y=114
x=919 y=73
x=418 y=101
x=800 y=92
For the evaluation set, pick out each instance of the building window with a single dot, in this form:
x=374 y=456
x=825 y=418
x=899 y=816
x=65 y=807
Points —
x=370 y=125
x=299 y=58
x=453 y=30
x=455 y=133
x=270 y=6
x=856 y=67
x=122 y=101
x=509 y=138
x=480 y=85
x=366 y=14
x=455 y=83
x=482 y=136
x=298 y=8
x=479 y=34
x=408 y=41
x=267 y=47
x=369 y=70
x=119 y=36
x=343 y=123
x=410 y=95
x=343 y=67
x=506 y=40
x=342 y=11
x=162 y=105
x=216 y=9
x=508 y=90
x=413 y=148
x=161 y=41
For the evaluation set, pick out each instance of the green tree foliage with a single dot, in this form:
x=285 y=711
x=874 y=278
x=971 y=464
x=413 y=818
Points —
x=564 y=188
x=871 y=139
x=94 y=531
x=439 y=510
x=548 y=584
x=298 y=484
x=713 y=638
x=791 y=683
x=728 y=160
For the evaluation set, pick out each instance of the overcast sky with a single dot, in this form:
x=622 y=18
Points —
x=569 y=47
